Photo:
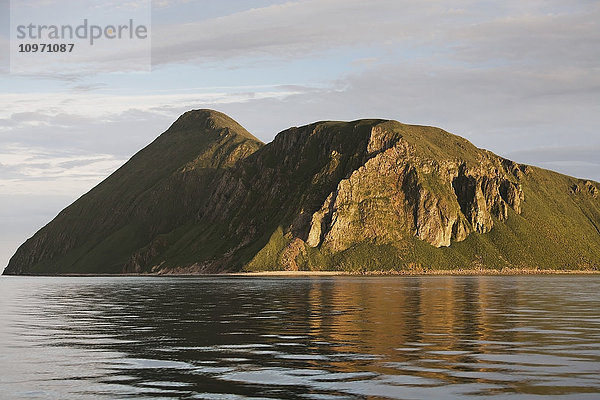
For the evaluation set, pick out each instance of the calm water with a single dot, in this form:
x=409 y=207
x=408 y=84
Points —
x=321 y=338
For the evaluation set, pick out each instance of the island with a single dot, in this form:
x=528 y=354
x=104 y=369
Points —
x=367 y=196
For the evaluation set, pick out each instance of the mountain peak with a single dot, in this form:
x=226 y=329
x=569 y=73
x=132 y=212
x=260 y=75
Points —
x=209 y=120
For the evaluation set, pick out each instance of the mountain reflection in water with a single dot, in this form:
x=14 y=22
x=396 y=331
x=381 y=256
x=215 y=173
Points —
x=308 y=337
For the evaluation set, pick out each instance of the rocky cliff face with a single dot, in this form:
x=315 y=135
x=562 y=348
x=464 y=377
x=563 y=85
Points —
x=360 y=195
x=436 y=202
x=398 y=192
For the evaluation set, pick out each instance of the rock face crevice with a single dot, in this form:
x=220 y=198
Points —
x=483 y=197
x=465 y=188
x=321 y=221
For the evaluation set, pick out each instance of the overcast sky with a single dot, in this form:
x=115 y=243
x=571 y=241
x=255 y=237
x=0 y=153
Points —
x=520 y=78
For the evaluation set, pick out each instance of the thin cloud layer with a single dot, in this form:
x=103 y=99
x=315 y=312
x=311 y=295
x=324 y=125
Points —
x=472 y=31
x=27 y=171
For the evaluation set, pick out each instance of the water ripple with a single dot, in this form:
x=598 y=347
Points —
x=315 y=338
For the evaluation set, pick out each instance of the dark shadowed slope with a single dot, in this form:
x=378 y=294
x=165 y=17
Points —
x=362 y=195
x=160 y=188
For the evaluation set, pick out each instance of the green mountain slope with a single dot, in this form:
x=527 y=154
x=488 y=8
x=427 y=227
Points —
x=208 y=197
x=153 y=193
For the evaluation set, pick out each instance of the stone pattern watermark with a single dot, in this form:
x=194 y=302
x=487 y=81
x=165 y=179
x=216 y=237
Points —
x=83 y=36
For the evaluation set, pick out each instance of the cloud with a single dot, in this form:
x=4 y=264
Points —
x=555 y=39
x=579 y=161
x=36 y=171
x=283 y=30
x=587 y=154
x=88 y=87
x=548 y=33
x=167 y=3
x=35 y=108
x=464 y=30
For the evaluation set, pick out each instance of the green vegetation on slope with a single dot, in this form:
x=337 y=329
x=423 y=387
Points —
x=158 y=189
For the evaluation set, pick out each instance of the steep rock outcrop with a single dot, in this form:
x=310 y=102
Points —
x=396 y=193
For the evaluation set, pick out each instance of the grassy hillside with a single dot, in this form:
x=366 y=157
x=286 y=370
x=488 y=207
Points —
x=158 y=189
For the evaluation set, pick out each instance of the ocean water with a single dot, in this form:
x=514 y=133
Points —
x=433 y=337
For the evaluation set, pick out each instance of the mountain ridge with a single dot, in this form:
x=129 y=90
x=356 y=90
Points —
x=351 y=196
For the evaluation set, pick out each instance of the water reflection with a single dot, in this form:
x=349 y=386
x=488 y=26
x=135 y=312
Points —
x=333 y=337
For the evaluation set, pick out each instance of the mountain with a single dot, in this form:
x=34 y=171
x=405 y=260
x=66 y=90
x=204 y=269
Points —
x=207 y=197
x=155 y=192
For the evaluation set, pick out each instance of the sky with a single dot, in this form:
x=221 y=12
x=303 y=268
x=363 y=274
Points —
x=519 y=78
